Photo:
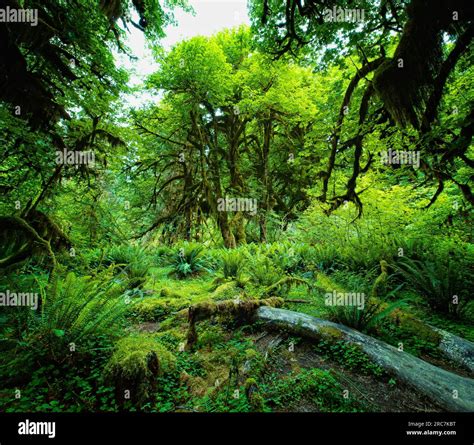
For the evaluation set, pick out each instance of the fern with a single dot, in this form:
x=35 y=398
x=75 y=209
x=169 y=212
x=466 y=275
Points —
x=438 y=281
x=366 y=319
x=233 y=263
x=189 y=261
x=75 y=311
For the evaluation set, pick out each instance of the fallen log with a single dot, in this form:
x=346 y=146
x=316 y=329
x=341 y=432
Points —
x=457 y=349
x=238 y=309
x=450 y=391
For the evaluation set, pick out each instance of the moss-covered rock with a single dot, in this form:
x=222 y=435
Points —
x=165 y=292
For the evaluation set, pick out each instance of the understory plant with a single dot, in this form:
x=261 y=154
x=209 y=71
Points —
x=75 y=310
x=189 y=261
x=445 y=284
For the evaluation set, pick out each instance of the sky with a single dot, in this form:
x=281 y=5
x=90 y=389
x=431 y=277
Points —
x=210 y=16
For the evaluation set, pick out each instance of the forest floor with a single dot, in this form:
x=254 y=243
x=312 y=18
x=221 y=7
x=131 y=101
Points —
x=235 y=365
x=369 y=388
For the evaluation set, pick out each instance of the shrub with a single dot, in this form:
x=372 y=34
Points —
x=162 y=255
x=323 y=257
x=136 y=274
x=374 y=310
x=127 y=254
x=366 y=319
x=263 y=272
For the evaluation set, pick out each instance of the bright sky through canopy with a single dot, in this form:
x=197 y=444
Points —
x=210 y=16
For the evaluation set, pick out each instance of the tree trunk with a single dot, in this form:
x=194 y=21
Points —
x=264 y=177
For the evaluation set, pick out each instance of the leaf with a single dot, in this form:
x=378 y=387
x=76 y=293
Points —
x=58 y=332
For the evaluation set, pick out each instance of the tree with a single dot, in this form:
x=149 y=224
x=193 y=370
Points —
x=409 y=84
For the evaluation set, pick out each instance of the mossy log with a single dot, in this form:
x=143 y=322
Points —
x=238 y=309
x=454 y=348
x=450 y=391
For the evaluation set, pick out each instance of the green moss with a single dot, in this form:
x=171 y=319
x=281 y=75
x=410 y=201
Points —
x=327 y=285
x=210 y=335
x=226 y=291
x=134 y=367
x=157 y=308
x=414 y=327
x=165 y=292
x=330 y=333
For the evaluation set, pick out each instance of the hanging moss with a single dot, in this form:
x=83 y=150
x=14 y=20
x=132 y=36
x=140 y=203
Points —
x=405 y=82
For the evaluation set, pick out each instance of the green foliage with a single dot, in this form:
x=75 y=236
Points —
x=136 y=274
x=226 y=401
x=417 y=338
x=366 y=319
x=314 y=387
x=443 y=280
x=75 y=309
x=350 y=356
x=126 y=254
x=262 y=271
x=134 y=234
x=367 y=312
x=162 y=255
x=233 y=263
